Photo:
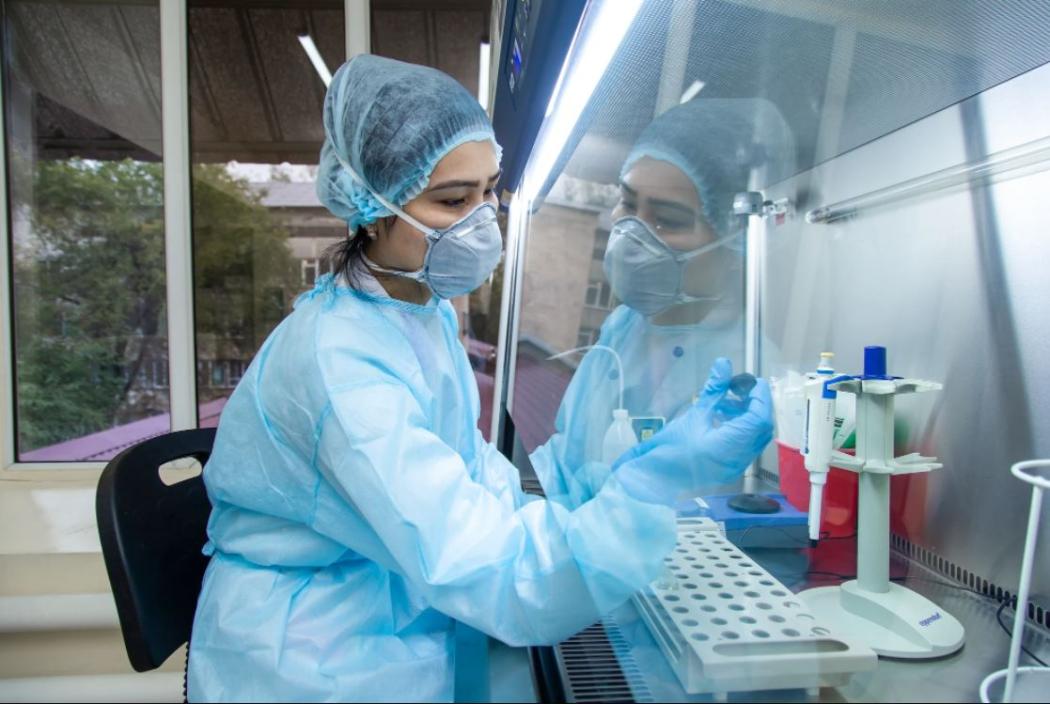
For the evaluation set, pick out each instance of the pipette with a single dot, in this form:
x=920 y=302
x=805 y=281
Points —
x=817 y=438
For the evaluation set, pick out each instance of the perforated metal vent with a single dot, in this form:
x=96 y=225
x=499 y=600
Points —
x=1038 y=609
x=1038 y=613
x=596 y=666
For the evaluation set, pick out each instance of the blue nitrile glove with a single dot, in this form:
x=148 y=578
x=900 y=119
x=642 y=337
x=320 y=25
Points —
x=691 y=452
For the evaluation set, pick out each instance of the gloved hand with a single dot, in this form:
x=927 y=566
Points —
x=690 y=451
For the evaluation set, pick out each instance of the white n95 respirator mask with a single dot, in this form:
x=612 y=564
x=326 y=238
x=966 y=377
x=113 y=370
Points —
x=645 y=272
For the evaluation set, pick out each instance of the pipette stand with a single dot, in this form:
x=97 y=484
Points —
x=893 y=620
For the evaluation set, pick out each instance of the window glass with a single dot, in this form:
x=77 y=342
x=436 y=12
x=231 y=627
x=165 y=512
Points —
x=259 y=232
x=83 y=118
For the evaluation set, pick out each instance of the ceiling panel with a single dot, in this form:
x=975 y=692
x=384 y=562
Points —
x=290 y=84
x=254 y=96
x=401 y=35
x=459 y=36
x=233 y=76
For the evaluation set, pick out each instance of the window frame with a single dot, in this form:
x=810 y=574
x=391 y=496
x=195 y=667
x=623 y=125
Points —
x=304 y=266
x=178 y=244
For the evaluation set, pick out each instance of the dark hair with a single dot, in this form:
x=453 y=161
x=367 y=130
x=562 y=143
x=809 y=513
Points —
x=347 y=256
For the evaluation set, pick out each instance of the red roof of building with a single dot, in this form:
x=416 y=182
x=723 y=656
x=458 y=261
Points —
x=538 y=390
x=107 y=444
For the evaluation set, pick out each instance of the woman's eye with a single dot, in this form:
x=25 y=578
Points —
x=665 y=224
x=454 y=203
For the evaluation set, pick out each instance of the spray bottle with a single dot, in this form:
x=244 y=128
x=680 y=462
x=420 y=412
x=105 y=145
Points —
x=620 y=437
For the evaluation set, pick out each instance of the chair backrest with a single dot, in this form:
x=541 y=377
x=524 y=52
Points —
x=152 y=535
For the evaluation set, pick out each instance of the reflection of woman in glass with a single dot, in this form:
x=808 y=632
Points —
x=675 y=259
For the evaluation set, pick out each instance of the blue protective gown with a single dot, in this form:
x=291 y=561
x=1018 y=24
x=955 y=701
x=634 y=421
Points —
x=665 y=368
x=358 y=513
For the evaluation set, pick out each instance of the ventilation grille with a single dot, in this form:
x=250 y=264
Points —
x=596 y=666
x=1037 y=613
x=771 y=478
x=531 y=485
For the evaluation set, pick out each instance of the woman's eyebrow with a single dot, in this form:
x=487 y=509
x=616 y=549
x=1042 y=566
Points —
x=453 y=184
x=671 y=205
x=660 y=203
x=462 y=184
x=627 y=189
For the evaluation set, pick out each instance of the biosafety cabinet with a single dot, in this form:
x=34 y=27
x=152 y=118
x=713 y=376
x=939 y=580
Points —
x=765 y=182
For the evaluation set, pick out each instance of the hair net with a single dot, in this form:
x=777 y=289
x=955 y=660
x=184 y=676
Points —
x=392 y=122
x=717 y=142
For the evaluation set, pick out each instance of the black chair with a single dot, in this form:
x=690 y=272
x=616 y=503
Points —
x=152 y=535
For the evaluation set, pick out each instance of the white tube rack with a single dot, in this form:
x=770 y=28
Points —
x=727 y=625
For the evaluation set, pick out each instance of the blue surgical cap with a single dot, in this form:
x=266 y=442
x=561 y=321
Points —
x=717 y=142
x=392 y=122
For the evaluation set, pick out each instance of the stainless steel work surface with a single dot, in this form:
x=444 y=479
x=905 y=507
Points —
x=951 y=679
x=510 y=680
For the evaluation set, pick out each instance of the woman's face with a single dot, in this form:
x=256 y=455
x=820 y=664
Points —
x=659 y=194
x=464 y=179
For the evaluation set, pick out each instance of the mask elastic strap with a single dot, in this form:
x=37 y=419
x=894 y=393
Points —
x=708 y=247
x=384 y=202
x=686 y=298
x=683 y=256
x=414 y=275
